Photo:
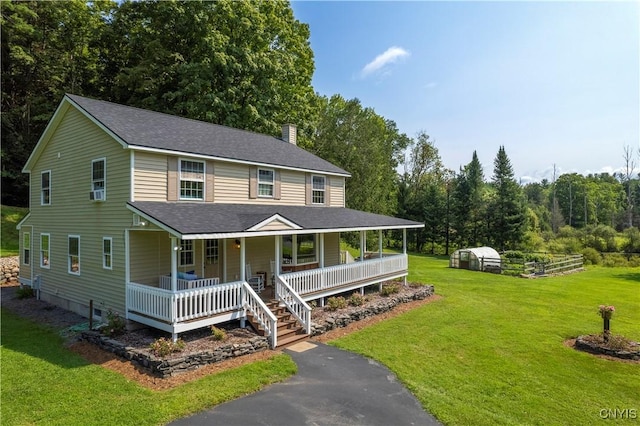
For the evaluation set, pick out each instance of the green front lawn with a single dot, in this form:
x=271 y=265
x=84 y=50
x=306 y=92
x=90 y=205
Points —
x=491 y=351
x=11 y=216
x=44 y=383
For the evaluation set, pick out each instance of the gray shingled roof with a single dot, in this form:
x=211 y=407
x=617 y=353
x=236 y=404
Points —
x=205 y=218
x=143 y=128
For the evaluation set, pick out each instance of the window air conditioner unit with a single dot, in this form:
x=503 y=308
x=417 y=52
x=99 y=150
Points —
x=96 y=195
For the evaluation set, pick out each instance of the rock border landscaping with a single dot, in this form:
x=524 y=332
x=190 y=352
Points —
x=167 y=367
x=594 y=348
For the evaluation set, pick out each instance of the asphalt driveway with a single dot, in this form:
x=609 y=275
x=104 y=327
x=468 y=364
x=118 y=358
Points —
x=332 y=387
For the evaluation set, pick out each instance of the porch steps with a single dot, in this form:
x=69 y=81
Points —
x=289 y=329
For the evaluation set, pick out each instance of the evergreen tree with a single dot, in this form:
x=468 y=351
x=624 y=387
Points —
x=507 y=211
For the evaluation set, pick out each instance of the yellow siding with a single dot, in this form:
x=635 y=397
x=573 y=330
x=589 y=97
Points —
x=68 y=154
x=150 y=177
x=332 y=249
x=275 y=225
x=337 y=191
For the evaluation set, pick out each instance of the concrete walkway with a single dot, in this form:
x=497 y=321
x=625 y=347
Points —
x=332 y=387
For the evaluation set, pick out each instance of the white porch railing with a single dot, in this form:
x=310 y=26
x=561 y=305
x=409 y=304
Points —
x=317 y=280
x=294 y=303
x=165 y=283
x=183 y=305
x=261 y=313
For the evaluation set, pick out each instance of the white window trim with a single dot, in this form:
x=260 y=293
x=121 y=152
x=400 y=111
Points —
x=193 y=251
x=272 y=183
x=104 y=254
x=69 y=237
x=26 y=259
x=203 y=180
x=323 y=190
x=42 y=264
x=42 y=203
x=104 y=178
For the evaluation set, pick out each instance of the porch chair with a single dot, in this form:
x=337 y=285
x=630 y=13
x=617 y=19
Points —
x=255 y=281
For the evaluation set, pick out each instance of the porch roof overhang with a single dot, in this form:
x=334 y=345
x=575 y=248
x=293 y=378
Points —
x=188 y=220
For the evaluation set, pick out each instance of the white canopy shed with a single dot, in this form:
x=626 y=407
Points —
x=476 y=259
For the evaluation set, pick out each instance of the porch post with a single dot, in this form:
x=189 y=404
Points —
x=174 y=264
x=321 y=249
x=404 y=248
x=278 y=258
x=363 y=244
x=242 y=261
x=224 y=260
x=404 y=240
x=127 y=271
x=380 y=242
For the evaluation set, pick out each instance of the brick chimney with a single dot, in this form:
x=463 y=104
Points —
x=290 y=133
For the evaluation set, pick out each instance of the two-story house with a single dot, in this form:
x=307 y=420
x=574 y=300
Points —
x=180 y=224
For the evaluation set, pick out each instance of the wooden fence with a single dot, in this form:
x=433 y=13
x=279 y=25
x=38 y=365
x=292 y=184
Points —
x=517 y=266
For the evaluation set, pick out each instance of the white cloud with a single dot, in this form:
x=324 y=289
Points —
x=430 y=85
x=389 y=56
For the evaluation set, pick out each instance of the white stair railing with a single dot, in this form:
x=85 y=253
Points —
x=261 y=312
x=294 y=303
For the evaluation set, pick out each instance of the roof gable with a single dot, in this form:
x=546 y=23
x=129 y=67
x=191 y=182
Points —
x=149 y=130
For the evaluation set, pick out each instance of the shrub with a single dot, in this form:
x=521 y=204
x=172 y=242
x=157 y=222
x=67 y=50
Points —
x=218 y=333
x=335 y=303
x=614 y=260
x=162 y=347
x=591 y=256
x=389 y=289
x=24 y=292
x=115 y=324
x=357 y=299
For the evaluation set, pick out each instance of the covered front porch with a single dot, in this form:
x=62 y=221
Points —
x=178 y=282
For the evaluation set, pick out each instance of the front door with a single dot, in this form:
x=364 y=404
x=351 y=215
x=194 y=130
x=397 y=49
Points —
x=212 y=259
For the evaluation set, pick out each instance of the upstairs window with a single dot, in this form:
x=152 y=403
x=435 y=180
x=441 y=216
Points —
x=26 y=248
x=74 y=255
x=191 y=180
x=45 y=192
x=98 y=179
x=265 y=183
x=318 y=188
x=186 y=253
x=44 y=250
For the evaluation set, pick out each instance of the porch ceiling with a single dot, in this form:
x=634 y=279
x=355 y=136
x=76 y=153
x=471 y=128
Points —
x=205 y=220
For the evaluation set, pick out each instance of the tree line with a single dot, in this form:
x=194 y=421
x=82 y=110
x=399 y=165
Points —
x=249 y=65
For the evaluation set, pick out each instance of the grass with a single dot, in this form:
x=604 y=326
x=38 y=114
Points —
x=44 y=383
x=9 y=238
x=491 y=351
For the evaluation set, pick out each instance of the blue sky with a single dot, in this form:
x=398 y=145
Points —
x=555 y=83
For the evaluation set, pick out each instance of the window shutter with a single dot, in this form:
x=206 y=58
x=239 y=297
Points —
x=253 y=182
x=277 y=190
x=209 y=182
x=327 y=190
x=172 y=179
x=308 y=190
